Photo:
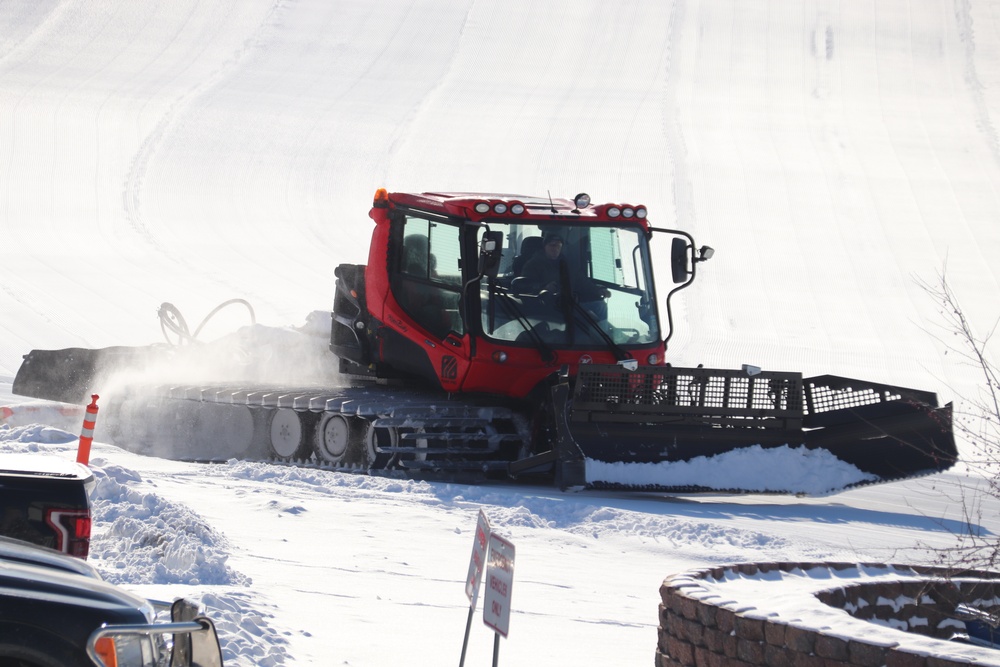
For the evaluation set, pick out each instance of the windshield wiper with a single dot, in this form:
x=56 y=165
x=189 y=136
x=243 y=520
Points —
x=619 y=352
x=513 y=310
x=566 y=284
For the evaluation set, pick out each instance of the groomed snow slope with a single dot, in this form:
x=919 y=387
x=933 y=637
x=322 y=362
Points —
x=834 y=155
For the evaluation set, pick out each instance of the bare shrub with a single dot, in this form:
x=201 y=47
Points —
x=976 y=423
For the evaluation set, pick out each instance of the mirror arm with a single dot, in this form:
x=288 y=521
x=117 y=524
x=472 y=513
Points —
x=704 y=253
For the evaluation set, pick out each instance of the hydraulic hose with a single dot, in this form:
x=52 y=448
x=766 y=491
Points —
x=172 y=322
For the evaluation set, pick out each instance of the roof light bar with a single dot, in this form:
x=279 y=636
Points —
x=482 y=207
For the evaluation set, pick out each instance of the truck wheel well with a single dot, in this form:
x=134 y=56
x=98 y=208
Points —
x=30 y=659
x=24 y=651
x=17 y=662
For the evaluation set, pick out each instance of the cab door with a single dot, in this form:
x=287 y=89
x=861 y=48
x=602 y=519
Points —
x=426 y=272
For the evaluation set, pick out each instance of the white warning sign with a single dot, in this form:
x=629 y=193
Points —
x=478 y=560
x=499 y=584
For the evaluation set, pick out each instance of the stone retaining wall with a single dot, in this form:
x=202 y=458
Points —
x=820 y=615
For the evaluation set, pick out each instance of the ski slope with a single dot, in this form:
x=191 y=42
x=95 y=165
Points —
x=837 y=156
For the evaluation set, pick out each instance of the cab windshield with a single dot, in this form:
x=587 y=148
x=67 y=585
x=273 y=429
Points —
x=570 y=286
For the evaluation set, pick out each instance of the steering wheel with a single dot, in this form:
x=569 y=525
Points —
x=549 y=298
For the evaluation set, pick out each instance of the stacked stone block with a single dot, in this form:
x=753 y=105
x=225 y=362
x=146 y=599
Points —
x=707 y=633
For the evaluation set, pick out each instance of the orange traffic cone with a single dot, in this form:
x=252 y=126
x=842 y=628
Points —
x=87 y=434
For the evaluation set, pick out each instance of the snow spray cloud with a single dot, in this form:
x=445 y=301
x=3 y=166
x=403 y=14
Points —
x=253 y=357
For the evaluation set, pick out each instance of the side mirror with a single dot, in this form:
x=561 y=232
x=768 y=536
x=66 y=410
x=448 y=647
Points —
x=490 y=250
x=197 y=649
x=679 y=260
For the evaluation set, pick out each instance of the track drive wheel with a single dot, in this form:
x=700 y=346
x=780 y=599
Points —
x=376 y=438
x=335 y=437
x=291 y=434
x=419 y=444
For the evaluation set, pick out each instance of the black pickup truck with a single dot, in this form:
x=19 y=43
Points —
x=45 y=500
x=56 y=611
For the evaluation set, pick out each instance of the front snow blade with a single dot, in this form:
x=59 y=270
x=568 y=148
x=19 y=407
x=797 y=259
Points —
x=73 y=374
x=684 y=429
x=890 y=432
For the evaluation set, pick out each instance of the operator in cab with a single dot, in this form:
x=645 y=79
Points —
x=548 y=271
x=544 y=271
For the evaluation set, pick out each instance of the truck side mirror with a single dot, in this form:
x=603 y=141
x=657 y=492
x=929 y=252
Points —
x=490 y=250
x=195 y=649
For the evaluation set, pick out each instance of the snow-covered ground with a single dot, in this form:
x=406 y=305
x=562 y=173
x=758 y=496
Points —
x=307 y=567
x=836 y=155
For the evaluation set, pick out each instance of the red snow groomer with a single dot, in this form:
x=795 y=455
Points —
x=514 y=336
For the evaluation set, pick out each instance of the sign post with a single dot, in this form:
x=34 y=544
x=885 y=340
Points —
x=480 y=545
x=499 y=586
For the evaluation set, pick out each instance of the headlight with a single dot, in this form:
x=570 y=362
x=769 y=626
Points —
x=127 y=650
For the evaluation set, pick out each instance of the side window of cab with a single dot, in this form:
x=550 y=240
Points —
x=429 y=273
